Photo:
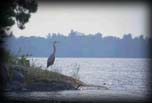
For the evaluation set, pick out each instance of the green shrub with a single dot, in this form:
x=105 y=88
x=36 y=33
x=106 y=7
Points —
x=13 y=59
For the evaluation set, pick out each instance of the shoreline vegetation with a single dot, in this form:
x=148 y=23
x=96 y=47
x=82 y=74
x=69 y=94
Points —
x=25 y=77
x=21 y=76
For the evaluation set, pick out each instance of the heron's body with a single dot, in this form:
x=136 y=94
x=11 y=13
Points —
x=51 y=58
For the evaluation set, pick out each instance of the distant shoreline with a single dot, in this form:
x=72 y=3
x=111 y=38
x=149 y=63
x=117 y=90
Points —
x=96 y=57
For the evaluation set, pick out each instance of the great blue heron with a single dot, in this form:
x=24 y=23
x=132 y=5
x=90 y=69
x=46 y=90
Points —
x=51 y=58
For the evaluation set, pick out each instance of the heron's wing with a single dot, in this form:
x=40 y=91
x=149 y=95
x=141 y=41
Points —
x=50 y=60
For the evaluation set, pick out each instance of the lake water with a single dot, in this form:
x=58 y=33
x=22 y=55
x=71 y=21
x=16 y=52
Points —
x=123 y=76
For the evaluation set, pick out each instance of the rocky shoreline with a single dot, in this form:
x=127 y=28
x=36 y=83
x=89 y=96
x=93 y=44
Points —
x=17 y=81
x=52 y=86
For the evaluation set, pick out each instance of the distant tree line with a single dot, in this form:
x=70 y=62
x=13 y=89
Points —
x=77 y=44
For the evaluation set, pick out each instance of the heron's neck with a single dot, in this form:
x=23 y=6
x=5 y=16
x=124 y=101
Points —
x=54 y=49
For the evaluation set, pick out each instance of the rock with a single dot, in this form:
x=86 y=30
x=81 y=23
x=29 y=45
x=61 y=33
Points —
x=18 y=76
x=4 y=72
x=17 y=81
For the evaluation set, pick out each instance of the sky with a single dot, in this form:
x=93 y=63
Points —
x=108 y=19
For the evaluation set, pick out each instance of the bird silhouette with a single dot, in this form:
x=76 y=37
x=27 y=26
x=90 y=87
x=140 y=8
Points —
x=51 y=58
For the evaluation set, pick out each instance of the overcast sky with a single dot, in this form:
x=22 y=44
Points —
x=109 y=19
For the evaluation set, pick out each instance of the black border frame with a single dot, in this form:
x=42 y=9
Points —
x=2 y=51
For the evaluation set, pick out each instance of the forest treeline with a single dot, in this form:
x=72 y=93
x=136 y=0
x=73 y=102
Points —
x=77 y=44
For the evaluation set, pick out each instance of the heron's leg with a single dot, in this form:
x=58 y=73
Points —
x=51 y=67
